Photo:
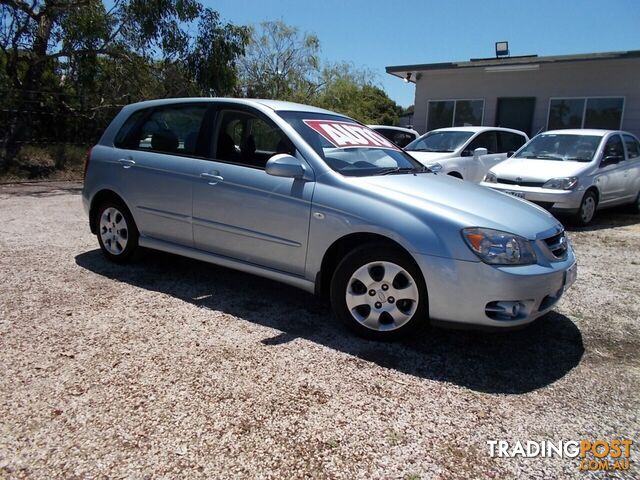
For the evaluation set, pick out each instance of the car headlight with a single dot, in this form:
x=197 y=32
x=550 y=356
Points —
x=566 y=183
x=499 y=248
x=491 y=177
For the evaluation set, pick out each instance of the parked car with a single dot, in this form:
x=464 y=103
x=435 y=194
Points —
x=401 y=136
x=573 y=172
x=466 y=152
x=316 y=200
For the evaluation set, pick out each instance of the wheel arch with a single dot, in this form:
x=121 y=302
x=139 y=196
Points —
x=342 y=246
x=100 y=197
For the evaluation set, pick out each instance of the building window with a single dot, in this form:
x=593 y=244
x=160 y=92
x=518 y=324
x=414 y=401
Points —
x=594 y=112
x=454 y=113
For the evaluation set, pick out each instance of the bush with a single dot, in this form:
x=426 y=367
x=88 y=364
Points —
x=69 y=156
x=34 y=161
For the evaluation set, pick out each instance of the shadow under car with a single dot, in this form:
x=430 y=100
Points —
x=493 y=362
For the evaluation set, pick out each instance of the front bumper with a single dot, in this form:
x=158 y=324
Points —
x=463 y=292
x=562 y=201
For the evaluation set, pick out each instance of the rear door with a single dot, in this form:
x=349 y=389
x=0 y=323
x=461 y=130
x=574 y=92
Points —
x=240 y=211
x=157 y=168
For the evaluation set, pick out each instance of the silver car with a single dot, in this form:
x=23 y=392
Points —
x=319 y=201
x=573 y=172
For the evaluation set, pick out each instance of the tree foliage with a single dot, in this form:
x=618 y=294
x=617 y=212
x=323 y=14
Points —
x=61 y=56
x=283 y=63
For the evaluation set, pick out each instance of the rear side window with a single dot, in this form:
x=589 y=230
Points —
x=633 y=147
x=174 y=129
x=127 y=129
x=510 y=142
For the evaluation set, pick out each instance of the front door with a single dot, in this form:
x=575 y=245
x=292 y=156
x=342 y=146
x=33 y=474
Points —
x=240 y=211
x=516 y=113
x=479 y=166
x=611 y=173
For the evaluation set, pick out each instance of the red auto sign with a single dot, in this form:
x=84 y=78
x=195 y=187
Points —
x=349 y=134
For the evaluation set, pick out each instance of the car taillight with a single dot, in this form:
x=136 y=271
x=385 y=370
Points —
x=86 y=162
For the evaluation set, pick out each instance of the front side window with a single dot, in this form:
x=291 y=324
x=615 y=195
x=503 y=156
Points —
x=454 y=113
x=633 y=147
x=614 y=148
x=561 y=147
x=510 y=142
x=487 y=140
x=249 y=140
x=594 y=112
x=350 y=148
x=447 y=141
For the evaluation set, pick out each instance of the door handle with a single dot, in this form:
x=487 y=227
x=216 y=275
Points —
x=126 y=162
x=212 y=177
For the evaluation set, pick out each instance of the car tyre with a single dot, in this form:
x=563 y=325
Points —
x=379 y=293
x=587 y=210
x=117 y=232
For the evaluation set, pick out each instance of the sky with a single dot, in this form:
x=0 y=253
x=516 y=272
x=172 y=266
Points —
x=374 y=34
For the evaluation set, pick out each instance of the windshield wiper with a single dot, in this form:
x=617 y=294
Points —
x=548 y=157
x=429 y=150
x=578 y=159
x=392 y=170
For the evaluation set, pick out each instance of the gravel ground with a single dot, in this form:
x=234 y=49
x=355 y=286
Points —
x=173 y=368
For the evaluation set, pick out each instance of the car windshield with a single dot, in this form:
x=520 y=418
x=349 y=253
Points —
x=561 y=147
x=438 y=141
x=350 y=148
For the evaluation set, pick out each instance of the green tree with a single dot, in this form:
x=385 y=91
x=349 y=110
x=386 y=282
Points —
x=103 y=57
x=280 y=63
x=350 y=91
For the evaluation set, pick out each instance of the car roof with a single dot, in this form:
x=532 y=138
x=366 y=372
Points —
x=276 y=105
x=390 y=127
x=583 y=131
x=477 y=129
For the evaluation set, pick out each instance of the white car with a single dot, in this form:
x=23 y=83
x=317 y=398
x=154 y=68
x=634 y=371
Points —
x=573 y=172
x=466 y=152
x=401 y=136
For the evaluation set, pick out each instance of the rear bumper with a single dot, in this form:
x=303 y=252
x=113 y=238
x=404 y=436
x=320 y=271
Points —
x=465 y=292
x=561 y=201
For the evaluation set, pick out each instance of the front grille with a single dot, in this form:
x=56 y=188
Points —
x=520 y=183
x=557 y=245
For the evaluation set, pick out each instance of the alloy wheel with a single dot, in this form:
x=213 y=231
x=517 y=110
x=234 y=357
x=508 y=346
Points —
x=114 y=230
x=382 y=296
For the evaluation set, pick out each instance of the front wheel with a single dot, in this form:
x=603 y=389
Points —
x=587 y=209
x=379 y=293
x=117 y=232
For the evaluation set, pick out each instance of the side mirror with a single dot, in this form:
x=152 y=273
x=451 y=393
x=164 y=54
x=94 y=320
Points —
x=479 y=152
x=285 y=165
x=611 y=160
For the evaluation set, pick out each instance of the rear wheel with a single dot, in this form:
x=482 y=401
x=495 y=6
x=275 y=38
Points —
x=379 y=293
x=587 y=209
x=117 y=232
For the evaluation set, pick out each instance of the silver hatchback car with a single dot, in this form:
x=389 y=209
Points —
x=319 y=201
